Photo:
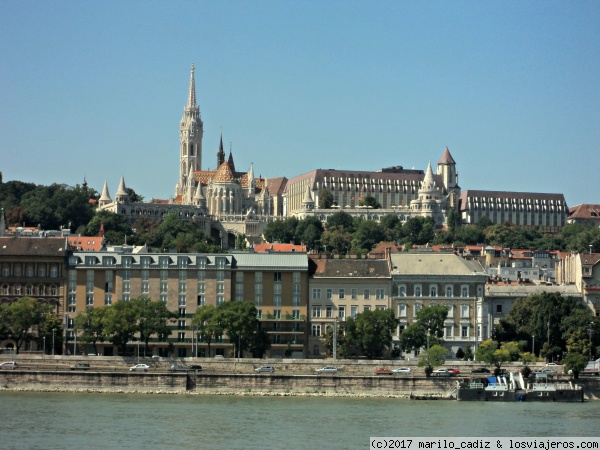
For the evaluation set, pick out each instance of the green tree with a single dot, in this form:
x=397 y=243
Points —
x=367 y=235
x=576 y=363
x=336 y=240
x=240 y=242
x=120 y=323
x=436 y=356
x=413 y=337
x=371 y=331
x=91 y=322
x=51 y=328
x=21 y=318
x=309 y=231
x=260 y=342
x=239 y=322
x=281 y=231
x=325 y=198
x=340 y=220
x=205 y=319
x=370 y=201
x=453 y=220
x=153 y=319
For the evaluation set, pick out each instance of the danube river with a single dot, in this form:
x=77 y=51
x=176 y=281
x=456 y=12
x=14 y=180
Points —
x=32 y=420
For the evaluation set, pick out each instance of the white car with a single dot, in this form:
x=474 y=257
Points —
x=442 y=373
x=327 y=369
x=401 y=370
x=8 y=365
x=139 y=368
x=269 y=369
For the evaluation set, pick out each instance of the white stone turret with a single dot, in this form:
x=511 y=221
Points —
x=105 y=197
x=121 y=195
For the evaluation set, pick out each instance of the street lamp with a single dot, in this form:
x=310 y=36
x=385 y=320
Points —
x=590 y=331
x=53 y=333
x=335 y=339
x=533 y=344
x=44 y=345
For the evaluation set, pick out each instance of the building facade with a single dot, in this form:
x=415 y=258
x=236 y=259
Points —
x=582 y=270
x=524 y=209
x=342 y=288
x=427 y=279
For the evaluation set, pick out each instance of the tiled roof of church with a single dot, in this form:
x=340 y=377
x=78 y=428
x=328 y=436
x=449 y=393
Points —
x=224 y=174
x=446 y=158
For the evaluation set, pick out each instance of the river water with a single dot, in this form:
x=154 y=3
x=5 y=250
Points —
x=32 y=420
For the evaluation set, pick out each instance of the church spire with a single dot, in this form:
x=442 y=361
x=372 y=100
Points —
x=221 y=153
x=192 y=91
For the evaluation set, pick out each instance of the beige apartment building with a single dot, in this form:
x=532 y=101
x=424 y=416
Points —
x=426 y=279
x=342 y=288
x=583 y=271
x=276 y=283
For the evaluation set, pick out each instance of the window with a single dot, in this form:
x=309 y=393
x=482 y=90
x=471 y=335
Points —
x=201 y=262
x=145 y=287
x=5 y=289
x=5 y=270
x=449 y=291
x=316 y=330
x=450 y=310
x=201 y=301
x=220 y=275
x=341 y=294
x=433 y=290
x=181 y=324
x=329 y=294
x=17 y=289
x=379 y=307
x=417 y=308
x=182 y=262
x=464 y=291
x=108 y=299
x=353 y=311
x=329 y=312
x=354 y=294
x=418 y=291
x=316 y=311
x=163 y=262
x=296 y=277
x=316 y=294
x=367 y=308
x=402 y=310
x=277 y=314
x=366 y=294
x=89 y=281
x=259 y=313
x=89 y=300
x=379 y=293
x=29 y=270
x=54 y=271
x=464 y=331
x=464 y=311
x=342 y=312
x=180 y=336
x=295 y=314
x=479 y=291
x=145 y=262
x=42 y=290
x=316 y=350
x=72 y=302
x=182 y=300
x=53 y=290
x=277 y=277
x=220 y=299
x=29 y=290
x=498 y=309
x=163 y=298
x=258 y=291
x=277 y=294
x=220 y=261
x=181 y=312
x=239 y=286
x=295 y=295
x=402 y=290
x=448 y=331
x=126 y=260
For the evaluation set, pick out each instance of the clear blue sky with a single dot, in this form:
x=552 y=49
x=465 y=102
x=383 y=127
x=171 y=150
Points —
x=97 y=89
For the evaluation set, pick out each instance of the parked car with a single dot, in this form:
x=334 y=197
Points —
x=453 y=371
x=269 y=369
x=545 y=372
x=401 y=370
x=139 y=368
x=8 y=365
x=441 y=373
x=383 y=371
x=481 y=370
x=195 y=367
x=80 y=366
x=179 y=368
x=327 y=369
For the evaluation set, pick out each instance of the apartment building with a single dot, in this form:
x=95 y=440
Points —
x=342 y=288
x=277 y=283
x=428 y=279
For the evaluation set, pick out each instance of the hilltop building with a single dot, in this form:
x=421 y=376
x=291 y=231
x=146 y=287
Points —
x=403 y=192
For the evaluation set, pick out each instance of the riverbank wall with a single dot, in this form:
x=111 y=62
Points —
x=231 y=376
x=243 y=384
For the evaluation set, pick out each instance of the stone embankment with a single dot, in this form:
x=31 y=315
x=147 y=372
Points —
x=232 y=377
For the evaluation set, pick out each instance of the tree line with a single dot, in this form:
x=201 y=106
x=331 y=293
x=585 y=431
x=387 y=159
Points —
x=59 y=205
